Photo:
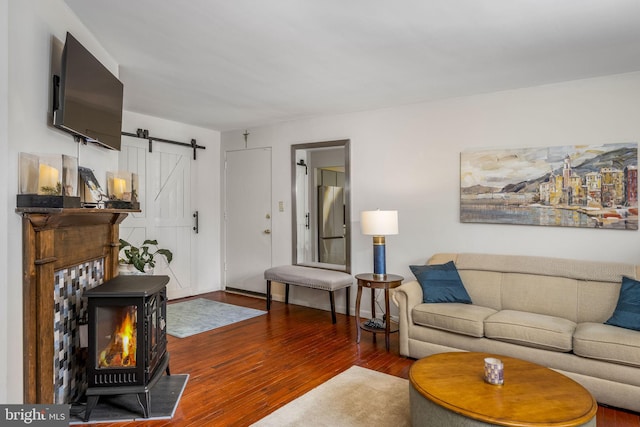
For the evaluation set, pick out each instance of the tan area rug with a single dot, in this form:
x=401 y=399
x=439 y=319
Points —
x=356 y=397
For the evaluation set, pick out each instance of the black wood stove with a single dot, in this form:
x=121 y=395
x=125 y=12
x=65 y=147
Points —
x=127 y=338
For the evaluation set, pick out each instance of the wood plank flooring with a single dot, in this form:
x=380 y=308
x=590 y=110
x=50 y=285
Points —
x=242 y=372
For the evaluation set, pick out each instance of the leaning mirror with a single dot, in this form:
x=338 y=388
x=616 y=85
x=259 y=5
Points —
x=321 y=214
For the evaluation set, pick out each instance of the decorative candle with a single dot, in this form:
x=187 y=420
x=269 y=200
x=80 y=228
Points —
x=119 y=187
x=48 y=180
x=493 y=371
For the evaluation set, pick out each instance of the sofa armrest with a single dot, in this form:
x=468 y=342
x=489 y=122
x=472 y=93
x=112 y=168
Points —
x=406 y=297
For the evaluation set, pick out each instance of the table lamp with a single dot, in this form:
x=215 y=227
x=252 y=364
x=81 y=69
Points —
x=379 y=224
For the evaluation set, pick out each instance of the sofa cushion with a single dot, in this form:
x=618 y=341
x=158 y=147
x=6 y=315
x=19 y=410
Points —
x=440 y=283
x=608 y=343
x=466 y=319
x=627 y=312
x=530 y=329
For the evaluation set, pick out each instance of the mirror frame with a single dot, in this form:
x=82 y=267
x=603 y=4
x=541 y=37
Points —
x=346 y=144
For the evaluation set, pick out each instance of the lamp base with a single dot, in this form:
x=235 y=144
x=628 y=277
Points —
x=379 y=258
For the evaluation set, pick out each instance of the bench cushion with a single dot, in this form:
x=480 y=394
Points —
x=317 y=278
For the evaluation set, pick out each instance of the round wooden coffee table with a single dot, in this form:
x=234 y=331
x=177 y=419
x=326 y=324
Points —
x=449 y=388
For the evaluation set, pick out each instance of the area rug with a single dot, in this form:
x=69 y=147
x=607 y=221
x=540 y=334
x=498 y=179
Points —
x=165 y=396
x=356 y=397
x=200 y=315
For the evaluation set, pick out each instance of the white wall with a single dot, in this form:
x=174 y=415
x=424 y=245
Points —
x=407 y=158
x=205 y=194
x=36 y=32
x=4 y=194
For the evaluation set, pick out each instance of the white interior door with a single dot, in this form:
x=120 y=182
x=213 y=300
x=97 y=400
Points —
x=167 y=215
x=247 y=219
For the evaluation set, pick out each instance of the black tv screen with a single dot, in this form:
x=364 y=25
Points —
x=89 y=97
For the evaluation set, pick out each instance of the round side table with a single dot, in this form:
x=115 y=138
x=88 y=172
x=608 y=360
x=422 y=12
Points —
x=373 y=282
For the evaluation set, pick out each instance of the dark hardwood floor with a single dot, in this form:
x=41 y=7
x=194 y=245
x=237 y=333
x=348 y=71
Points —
x=242 y=372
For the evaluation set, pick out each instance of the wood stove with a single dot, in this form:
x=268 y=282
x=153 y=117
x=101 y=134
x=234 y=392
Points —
x=127 y=338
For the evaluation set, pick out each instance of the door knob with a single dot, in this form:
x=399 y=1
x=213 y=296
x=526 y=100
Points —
x=267 y=231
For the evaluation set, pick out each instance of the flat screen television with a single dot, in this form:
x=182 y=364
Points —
x=87 y=97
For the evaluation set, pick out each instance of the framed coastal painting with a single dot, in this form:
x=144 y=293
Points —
x=591 y=186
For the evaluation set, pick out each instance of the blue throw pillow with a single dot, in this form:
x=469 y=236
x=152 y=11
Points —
x=440 y=283
x=627 y=312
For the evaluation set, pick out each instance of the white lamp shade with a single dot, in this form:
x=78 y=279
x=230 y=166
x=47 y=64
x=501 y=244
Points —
x=379 y=223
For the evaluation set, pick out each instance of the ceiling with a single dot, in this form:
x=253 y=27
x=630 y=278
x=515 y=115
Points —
x=237 y=64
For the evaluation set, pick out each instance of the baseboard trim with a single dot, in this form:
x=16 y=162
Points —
x=261 y=295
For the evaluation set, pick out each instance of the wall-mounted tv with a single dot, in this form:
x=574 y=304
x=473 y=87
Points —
x=87 y=97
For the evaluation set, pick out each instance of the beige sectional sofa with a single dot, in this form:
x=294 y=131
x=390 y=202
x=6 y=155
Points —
x=545 y=310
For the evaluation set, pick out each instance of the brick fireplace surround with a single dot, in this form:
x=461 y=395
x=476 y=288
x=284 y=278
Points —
x=65 y=251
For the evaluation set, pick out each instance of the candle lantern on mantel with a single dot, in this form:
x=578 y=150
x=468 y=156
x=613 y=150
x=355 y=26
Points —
x=48 y=181
x=122 y=189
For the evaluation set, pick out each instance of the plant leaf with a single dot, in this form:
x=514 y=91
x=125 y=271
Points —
x=138 y=264
x=167 y=254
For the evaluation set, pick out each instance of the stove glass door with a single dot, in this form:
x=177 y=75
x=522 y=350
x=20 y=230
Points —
x=116 y=337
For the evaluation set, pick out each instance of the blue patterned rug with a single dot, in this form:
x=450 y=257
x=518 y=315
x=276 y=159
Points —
x=200 y=315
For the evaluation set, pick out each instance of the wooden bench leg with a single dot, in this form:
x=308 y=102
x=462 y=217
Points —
x=286 y=294
x=331 y=299
x=348 y=289
x=333 y=307
x=268 y=295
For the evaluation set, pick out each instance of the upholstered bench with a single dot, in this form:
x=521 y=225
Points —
x=309 y=277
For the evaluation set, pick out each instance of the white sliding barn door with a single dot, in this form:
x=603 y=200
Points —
x=247 y=219
x=167 y=214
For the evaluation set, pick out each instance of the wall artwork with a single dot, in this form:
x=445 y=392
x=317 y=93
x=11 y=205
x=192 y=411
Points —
x=591 y=186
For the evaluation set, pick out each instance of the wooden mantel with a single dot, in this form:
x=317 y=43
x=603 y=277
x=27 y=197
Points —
x=55 y=239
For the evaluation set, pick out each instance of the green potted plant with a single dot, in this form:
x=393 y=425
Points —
x=141 y=258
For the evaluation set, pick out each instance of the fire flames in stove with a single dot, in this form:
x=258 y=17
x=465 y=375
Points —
x=121 y=350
